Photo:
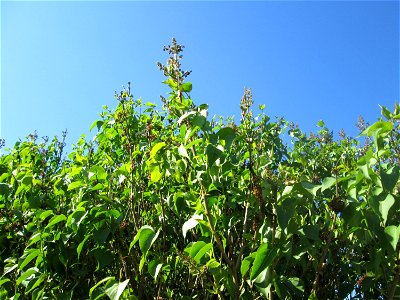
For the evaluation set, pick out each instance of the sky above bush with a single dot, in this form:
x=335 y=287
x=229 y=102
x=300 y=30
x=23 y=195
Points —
x=62 y=61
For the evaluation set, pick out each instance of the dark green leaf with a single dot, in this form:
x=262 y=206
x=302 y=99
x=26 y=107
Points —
x=285 y=211
x=213 y=153
x=390 y=178
x=228 y=135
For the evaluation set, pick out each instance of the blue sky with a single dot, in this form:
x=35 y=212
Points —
x=62 y=61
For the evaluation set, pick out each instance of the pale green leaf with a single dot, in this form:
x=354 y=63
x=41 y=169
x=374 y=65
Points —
x=327 y=183
x=384 y=207
x=75 y=184
x=182 y=151
x=156 y=148
x=191 y=223
x=311 y=188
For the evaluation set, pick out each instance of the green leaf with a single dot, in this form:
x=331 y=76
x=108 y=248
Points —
x=4 y=188
x=191 y=223
x=171 y=83
x=384 y=207
x=228 y=135
x=76 y=218
x=56 y=219
x=183 y=117
x=155 y=173
x=75 y=184
x=154 y=268
x=313 y=296
x=182 y=151
x=97 y=123
x=38 y=281
x=25 y=275
x=392 y=234
x=311 y=232
x=28 y=256
x=103 y=256
x=297 y=284
x=363 y=166
x=186 y=87
x=246 y=264
x=263 y=260
x=380 y=127
x=285 y=211
x=157 y=147
x=327 y=183
x=101 y=235
x=97 y=173
x=385 y=112
x=93 y=288
x=146 y=237
x=179 y=201
x=199 y=121
x=116 y=289
x=198 y=250
x=195 y=247
x=311 y=188
x=3 y=281
x=81 y=244
x=27 y=180
x=213 y=153
x=390 y=178
x=9 y=268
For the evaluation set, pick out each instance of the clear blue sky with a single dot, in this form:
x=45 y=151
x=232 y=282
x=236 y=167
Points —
x=61 y=61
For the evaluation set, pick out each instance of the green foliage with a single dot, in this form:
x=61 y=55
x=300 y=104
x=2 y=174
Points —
x=171 y=204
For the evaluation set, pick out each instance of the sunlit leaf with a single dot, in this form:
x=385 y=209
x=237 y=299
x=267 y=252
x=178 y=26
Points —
x=191 y=223
x=56 y=219
x=156 y=148
x=327 y=183
x=392 y=234
x=262 y=260
x=385 y=206
x=25 y=275
x=186 y=87
x=28 y=256
x=115 y=289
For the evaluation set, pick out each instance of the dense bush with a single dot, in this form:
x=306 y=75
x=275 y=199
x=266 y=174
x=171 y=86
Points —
x=172 y=205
